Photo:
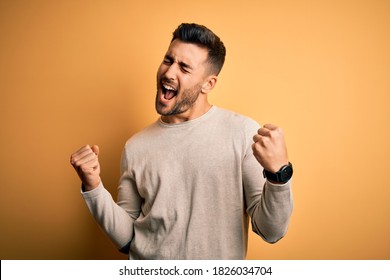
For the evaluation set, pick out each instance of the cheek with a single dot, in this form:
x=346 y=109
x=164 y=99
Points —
x=160 y=71
x=188 y=80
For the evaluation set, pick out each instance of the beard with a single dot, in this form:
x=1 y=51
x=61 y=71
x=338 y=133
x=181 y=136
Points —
x=183 y=103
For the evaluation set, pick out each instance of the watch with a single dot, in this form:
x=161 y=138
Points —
x=282 y=176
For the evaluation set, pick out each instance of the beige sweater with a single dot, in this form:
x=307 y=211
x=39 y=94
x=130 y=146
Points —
x=187 y=189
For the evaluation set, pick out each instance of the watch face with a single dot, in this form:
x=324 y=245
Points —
x=282 y=176
x=286 y=173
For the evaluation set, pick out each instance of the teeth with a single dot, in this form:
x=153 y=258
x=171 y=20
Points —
x=168 y=87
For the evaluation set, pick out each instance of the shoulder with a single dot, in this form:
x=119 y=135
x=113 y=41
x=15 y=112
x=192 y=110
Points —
x=237 y=120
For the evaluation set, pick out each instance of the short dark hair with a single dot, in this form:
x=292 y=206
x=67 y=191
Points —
x=204 y=37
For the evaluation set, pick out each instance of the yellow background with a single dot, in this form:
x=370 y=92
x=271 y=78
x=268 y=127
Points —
x=78 y=72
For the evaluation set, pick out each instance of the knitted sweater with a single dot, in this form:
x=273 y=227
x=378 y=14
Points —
x=187 y=191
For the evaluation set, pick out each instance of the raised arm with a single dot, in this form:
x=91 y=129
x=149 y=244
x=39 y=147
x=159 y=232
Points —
x=269 y=203
x=117 y=221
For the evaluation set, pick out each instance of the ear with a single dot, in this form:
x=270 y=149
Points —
x=209 y=83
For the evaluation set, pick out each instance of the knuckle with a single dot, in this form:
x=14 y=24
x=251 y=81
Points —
x=265 y=140
x=85 y=168
x=256 y=147
x=277 y=133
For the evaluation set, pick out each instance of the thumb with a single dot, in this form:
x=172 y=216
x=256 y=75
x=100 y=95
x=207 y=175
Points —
x=95 y=149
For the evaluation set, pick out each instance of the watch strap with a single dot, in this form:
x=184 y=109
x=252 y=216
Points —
x=282 y=176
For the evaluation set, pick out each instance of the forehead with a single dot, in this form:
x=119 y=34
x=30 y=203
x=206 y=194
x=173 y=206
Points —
x=187 y=52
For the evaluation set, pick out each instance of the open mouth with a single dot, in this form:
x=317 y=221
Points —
x=168 y=91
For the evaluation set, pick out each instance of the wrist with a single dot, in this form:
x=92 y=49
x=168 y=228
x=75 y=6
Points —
x=282 y=176
x=89 y=186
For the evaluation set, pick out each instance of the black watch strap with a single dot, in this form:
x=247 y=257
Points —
x=282 y=176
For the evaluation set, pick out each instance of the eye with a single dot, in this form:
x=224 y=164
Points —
x=167 y=61
x=184 y=69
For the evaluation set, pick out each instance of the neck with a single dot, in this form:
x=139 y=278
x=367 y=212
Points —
x=190 y=114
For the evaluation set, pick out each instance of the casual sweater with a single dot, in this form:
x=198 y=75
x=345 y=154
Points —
x=187 y=191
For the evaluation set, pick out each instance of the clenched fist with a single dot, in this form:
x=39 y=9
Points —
x=269 y=148
x=85 y=162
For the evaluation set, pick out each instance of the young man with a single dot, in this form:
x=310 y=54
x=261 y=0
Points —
x=191 y=180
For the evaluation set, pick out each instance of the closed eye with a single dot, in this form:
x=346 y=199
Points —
x=167 y=61
x=185 y=67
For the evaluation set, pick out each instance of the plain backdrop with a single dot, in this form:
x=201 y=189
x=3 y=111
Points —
x=84 y=72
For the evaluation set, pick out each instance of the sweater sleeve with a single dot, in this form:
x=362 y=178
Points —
x=116 y=219
x=269 y=205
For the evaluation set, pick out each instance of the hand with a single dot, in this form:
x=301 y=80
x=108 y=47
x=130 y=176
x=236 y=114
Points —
x=85 y=162
x=269 y=148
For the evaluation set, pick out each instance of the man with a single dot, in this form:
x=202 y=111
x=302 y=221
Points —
x=191 y=180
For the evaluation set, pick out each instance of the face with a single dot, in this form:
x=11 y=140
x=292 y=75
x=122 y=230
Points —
x=180 y=79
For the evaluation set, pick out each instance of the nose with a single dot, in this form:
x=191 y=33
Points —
x=171 y=71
